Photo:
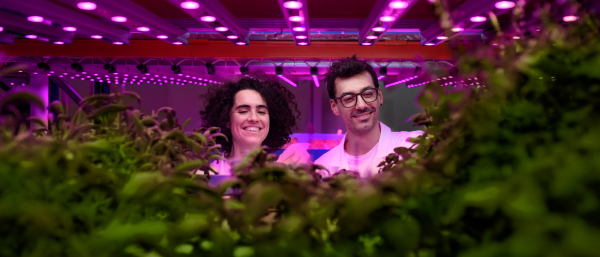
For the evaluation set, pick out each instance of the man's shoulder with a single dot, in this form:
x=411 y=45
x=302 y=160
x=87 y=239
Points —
x=326 y=158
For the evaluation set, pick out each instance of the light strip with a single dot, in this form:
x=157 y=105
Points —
x=316 y=80
x=287 y=80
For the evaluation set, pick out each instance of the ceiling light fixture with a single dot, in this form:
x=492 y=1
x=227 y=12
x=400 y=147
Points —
x=162 y=36
x=31 y=36
x=143 y=29
x=221 y=29
x=387 y=18
x=296 y=18
x=208 y=18
x=505 y=4
x=478 y=19
x=70 y=29
x=292 y=5
x=118 y=18
x=398 y=5
x=190 y=5
x=35 y=18
x=96 y=36
x=88 y=6
x=570 y=18
x=232 y=37
x=299 y=29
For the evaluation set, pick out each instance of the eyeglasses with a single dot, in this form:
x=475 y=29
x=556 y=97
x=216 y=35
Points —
x=349 y=100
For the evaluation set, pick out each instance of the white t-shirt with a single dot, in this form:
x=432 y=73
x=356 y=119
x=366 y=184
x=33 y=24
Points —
x=336 y=159
x=361 y=163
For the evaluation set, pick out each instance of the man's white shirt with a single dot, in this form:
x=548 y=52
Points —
x=366 y=165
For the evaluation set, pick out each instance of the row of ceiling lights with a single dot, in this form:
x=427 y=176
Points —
x=293 y=5
x=502 y=5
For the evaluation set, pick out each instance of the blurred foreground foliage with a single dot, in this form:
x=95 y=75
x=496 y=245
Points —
x=508 y=168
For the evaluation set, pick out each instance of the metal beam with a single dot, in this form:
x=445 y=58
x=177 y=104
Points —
x=16 y=24
x=389 y=50
x=72 y=93
x=461 y=18
x=300 y=28
x=137 y=16
x=383 y=16
x=224 y=18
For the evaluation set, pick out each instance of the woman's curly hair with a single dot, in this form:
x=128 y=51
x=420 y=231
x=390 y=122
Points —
x=283 y=110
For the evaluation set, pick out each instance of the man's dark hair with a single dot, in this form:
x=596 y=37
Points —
x=283 y=110
x=346 y=68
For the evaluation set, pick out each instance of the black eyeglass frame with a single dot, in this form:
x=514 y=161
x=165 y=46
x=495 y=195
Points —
x=356 y=97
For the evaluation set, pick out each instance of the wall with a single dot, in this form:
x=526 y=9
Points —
x=313 y=103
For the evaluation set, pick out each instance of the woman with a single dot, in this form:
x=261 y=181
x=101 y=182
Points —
x=252 y=112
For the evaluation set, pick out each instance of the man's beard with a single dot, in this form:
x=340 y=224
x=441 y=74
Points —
x=363 y=128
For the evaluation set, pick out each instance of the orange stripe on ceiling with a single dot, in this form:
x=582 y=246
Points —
x=389 y=50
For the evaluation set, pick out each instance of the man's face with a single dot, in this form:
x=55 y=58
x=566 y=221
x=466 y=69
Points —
x=362 y=117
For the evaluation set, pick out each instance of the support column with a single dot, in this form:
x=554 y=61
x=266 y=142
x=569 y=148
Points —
x=39 y=85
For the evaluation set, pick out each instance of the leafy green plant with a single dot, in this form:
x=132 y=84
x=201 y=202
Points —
x=509 y=168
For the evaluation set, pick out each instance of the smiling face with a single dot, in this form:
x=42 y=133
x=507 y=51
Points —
x=249 y=121
x=362 y=117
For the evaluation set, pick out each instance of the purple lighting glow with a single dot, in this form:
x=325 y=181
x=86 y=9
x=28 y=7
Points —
x=287 y=80
x=302 y=43
x=240 y=43
x=88 y=6
x=118 y=19
x=301 y=37
x=96 y=36
x=457 y=29
x=1 y=29
x=372 y=37
x=429 y=44
x=221 y=29
x=31 y=36
x=190 y=5
x=292 y=4
x=379 y=29
x=177 y=43
x=398 y=5
x=35 y=18
x=366 y=44
x=208 y=18
x=232 y=37
x=59 y=43
x=442 y=37
x=143 y=29
x=570 y=18
x=316 y=80
x=296 y=18
x=478 y=19
x=505 y=4
x=117 y=43
x=70 y=29
x=162 y=36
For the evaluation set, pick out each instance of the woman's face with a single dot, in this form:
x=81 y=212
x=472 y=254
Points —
x=249 y=121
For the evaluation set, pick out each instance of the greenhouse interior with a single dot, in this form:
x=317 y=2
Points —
x=158 y=128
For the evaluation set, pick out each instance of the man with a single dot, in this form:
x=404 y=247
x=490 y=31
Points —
x=356 y=97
